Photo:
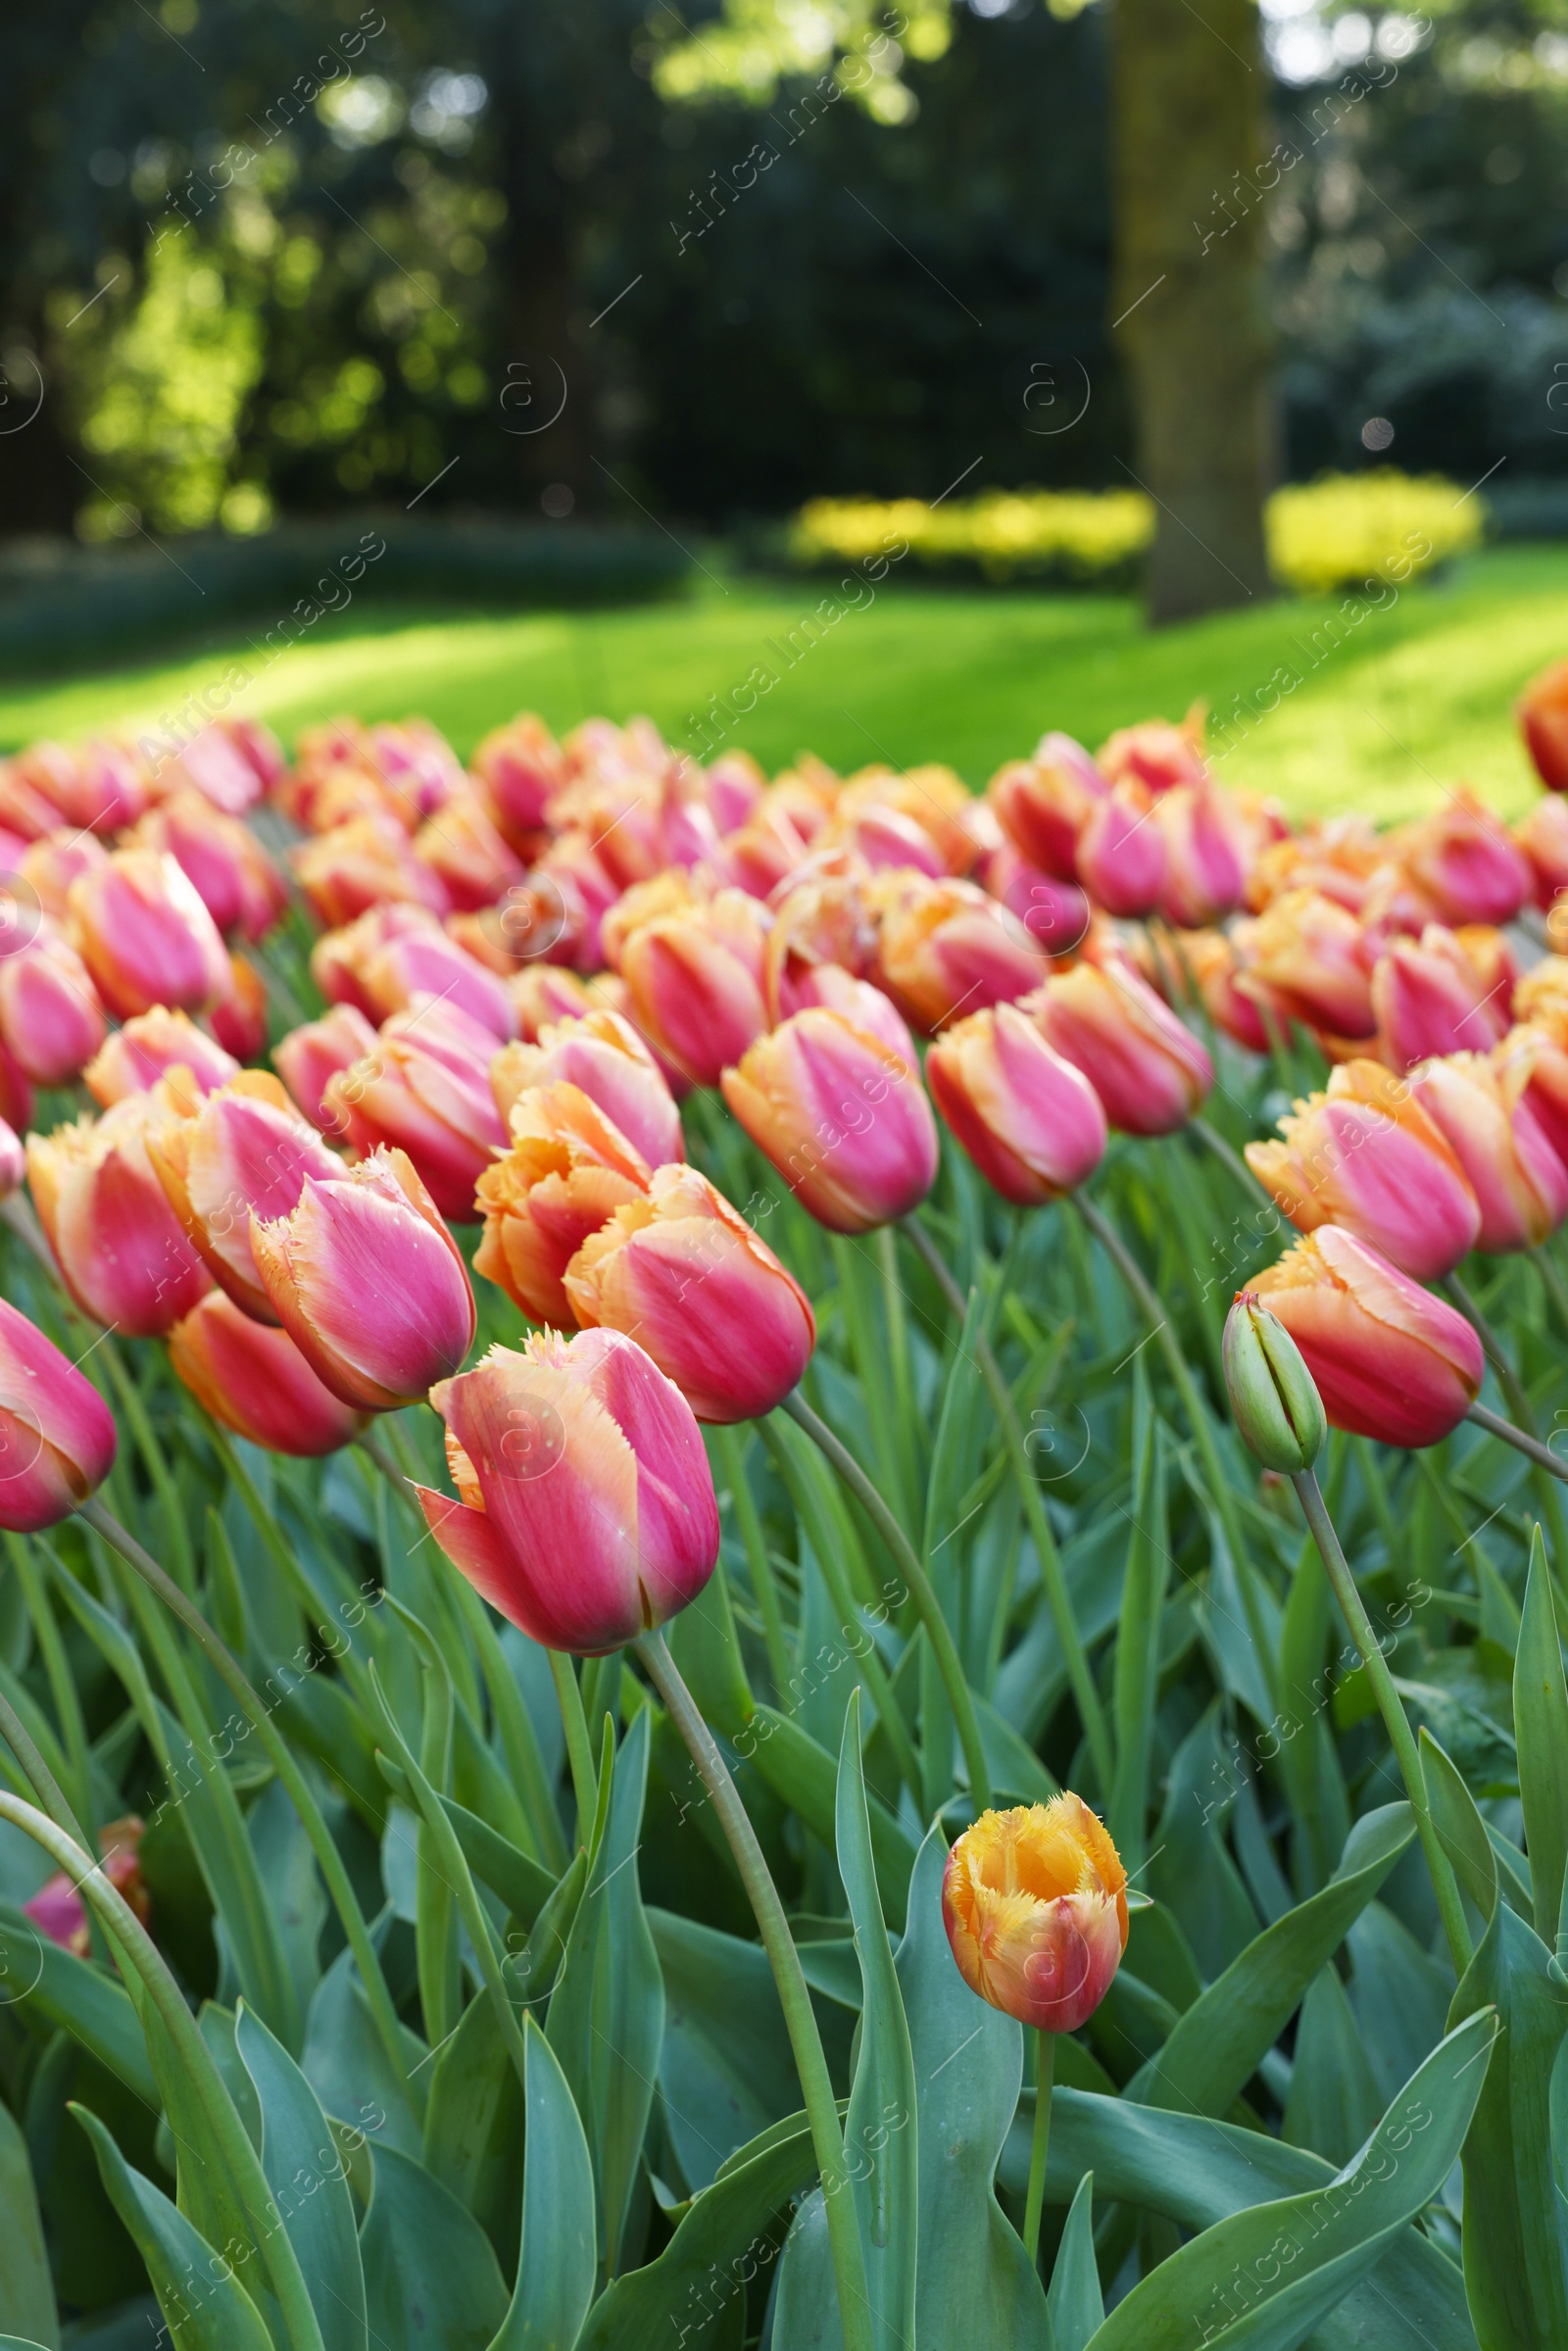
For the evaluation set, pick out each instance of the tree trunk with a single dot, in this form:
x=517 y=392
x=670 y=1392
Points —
x=1189 y=91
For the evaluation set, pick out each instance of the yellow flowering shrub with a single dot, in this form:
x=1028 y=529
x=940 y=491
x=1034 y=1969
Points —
x=1346 y=526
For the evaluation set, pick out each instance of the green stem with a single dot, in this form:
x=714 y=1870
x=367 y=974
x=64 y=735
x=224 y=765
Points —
x=764 y=1584
x=156 y=1462
x=1230 y=1159
x=323 y=1843
x=1394 y=1719
x=1555 y=1287
x=1085 y=1696
x=579 y=1747
x=62 y=1681
x=822 y=2108
x=960 y=1695
x=1518 y=1402
x=1045 y=2069
x=1530 y=1446
x=1224 y=1502
x=239 y=2157
x=51 y=1795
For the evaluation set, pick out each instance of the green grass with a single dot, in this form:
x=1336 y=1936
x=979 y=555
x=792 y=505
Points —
x=1417 y=696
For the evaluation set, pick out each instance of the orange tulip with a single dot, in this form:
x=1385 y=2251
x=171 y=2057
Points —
x=145 y=936
x=1542 y=714
x=245 y=1149
x=842 y=1117
x=254 y=1379
x=1029 y=1120
x=118 y=1242
x=604 y=1055
x=695 y=984
x=947 y=949
x=1478 y=1106
x=133 y=1058
x=1035 y=1904
x=682 y=1273
x=1390 y=1360
x=1366 y=1156
x=568 y=1170
x=1151 y=1073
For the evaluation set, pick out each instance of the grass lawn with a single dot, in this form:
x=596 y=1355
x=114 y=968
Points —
x=1417 y=696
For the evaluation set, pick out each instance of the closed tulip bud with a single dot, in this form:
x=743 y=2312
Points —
x=1124 y=860
x=1307 y=959
x=245 y=1149
x=1035 y=1904
x=1205 y=871
x=358 y=864
x=317 y=1051
x=1043 y=804
x=1388 y=1359
x=1276 y=1407
x=118 y=1245
x=602 y=1054
x=1428 y=1000
x=1029 y=1120
x=1542 y=835
x=1211 y=964
x=133 y=1058
x=586 y=1511
x=570 y=1167
x=947 y=949
x=1462 y=859
x=843 y=1120
x=232 y=874
x=1366 y=1156
x=519 y=768
x=1151 y=1073
x=50 y=1015
x=145 y=936
x=695 y=984
x=57 y=1435
x=1542 y=715
x=862 y=1004
x=425 y=1089
x=368 y=1282
x=253 y=1381
x=1516 y=1176
x=682 y=1273
x=240 y=1018
x=462 y=846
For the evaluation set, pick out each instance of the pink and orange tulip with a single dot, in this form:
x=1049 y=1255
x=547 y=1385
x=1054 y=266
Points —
x=1123 y=857
x=1463 y=860
x=1305 y=958
x=141 y=929
x=1542 y=714
x=569 y=1168
x=253 y=1381
x=843 y=1120
x=946 y=949
x=50 y=1015
x=57 y=1435
x=317 y=1050
x=1035 y=1904
x=424 y=1088
x=1029 y=1120
x=1481 y=1109
x=602 y=1054
x=231 y=872
x=134 y=1058
x=1430 y=999
x=1151 y=1073
x=694 y=980
x=119 y=1247
x=244 y=1150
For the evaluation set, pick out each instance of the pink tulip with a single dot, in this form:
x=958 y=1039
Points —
x=695 y=984
x=602 y=1054
x=50 y=1015
x=117 y=1240
x=1462 y=859
x=1516 y=1176
x=244 y=1151
x=317 y=1051
x=1206 y=868
x=253 y=1380
x=144 y=935
x=425 y=1089
x=1151 y=1073
x=1123 y=860
x=133 y=1058
x=1429 y=1000
x=57 y=1435
x=1029 y=1120
x=842 y=1117
x=231 y=872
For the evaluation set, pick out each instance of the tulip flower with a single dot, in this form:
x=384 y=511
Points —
x=695 y=984
x=1540 y=996
x=253 y=1380
x=1542 y=835
x=1035 y=1904
x=133 y=1058
x=1151 y=1073
x=862 y=1004
x=1305 y=958
x=12 y=1161
x=1542 y=715
x=1367 y=1157
x=357 y=864
x=15 y=1093
x=119 y=1247
x=94 y=787
x=1276 y=1406
x=465 y=851
x=542 y=992
x=586 y=1511
x=240 y=1018
x=1205 y=871
x=1462 y=859
x=947 y=949
x=887 y=837
x=24 y=810
x=1388 y=1359
x=145 y=936
x=1532 y=1064
x=668 y=892
x=1209 y=962
x=1518 y=1179
x=232 y=874
x=602 y=1054
x=58 y=1908
x=50 y=866
x=339 y=957
x=570 y=1167
x=682 y=1272
x=57 y=1435
x=843 y=1120
x=573 y=892
x=1029 y=1120
x=1055 y=914
x=426 y=962
x=424 y=1088
x=1158 y=754
x=246 y=1149
x=822 y=918
x=218 y=762
x=519 y=768
x=733 y=787
x=317 y=1051
x=1043 y=804
x=50 y=1015
x=1123 y=857
x=1429 y=1000
x=367 y=1281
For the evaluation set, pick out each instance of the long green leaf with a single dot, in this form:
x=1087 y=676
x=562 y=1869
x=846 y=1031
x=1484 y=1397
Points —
x=558 y=2248
x=198 y=2287
x=1075 y=2304
x=430 y=2276
x=1541 y=1728
x=305 y=2172
x=1459 y=1826
x=27 y=2290
x=1135 y=1688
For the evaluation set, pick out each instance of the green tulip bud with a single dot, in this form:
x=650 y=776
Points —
x=1273 y=1396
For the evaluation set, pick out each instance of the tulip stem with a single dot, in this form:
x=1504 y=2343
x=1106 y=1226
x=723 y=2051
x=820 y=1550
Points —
x=1230 y=1159
x=1391 y=1706
x=1085 y=1696
x=47 y=1788
x=1518 y=1402
x=1224 y=1502
x=1532 y=1446
x=821 y=2107
x=280 y=1754
x=764 y=1584
x=1039 y=2146
x=961 y=1698
x=579 y=1747
x=1556 y=1289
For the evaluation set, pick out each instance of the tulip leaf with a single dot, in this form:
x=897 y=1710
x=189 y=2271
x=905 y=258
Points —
x=559 y=2247
x=1461 y=1830
x=197 y=2284
x=1541 y=1729
x=1075 y=2303
x=27 y=2290
x=473 y=2123
x=345 y=2063
x=305 y=2172
x=1400 y=1995
x=1333 y=2101
x=1190 y=1869
x=1135 y=1686
x=1515 y=2260
x=1268 y=2277
x=801 y=1772
x=81 y=1999
x=1216 y=2048
x=606 y=2020
x=726 y=2071
x=430 y=2276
